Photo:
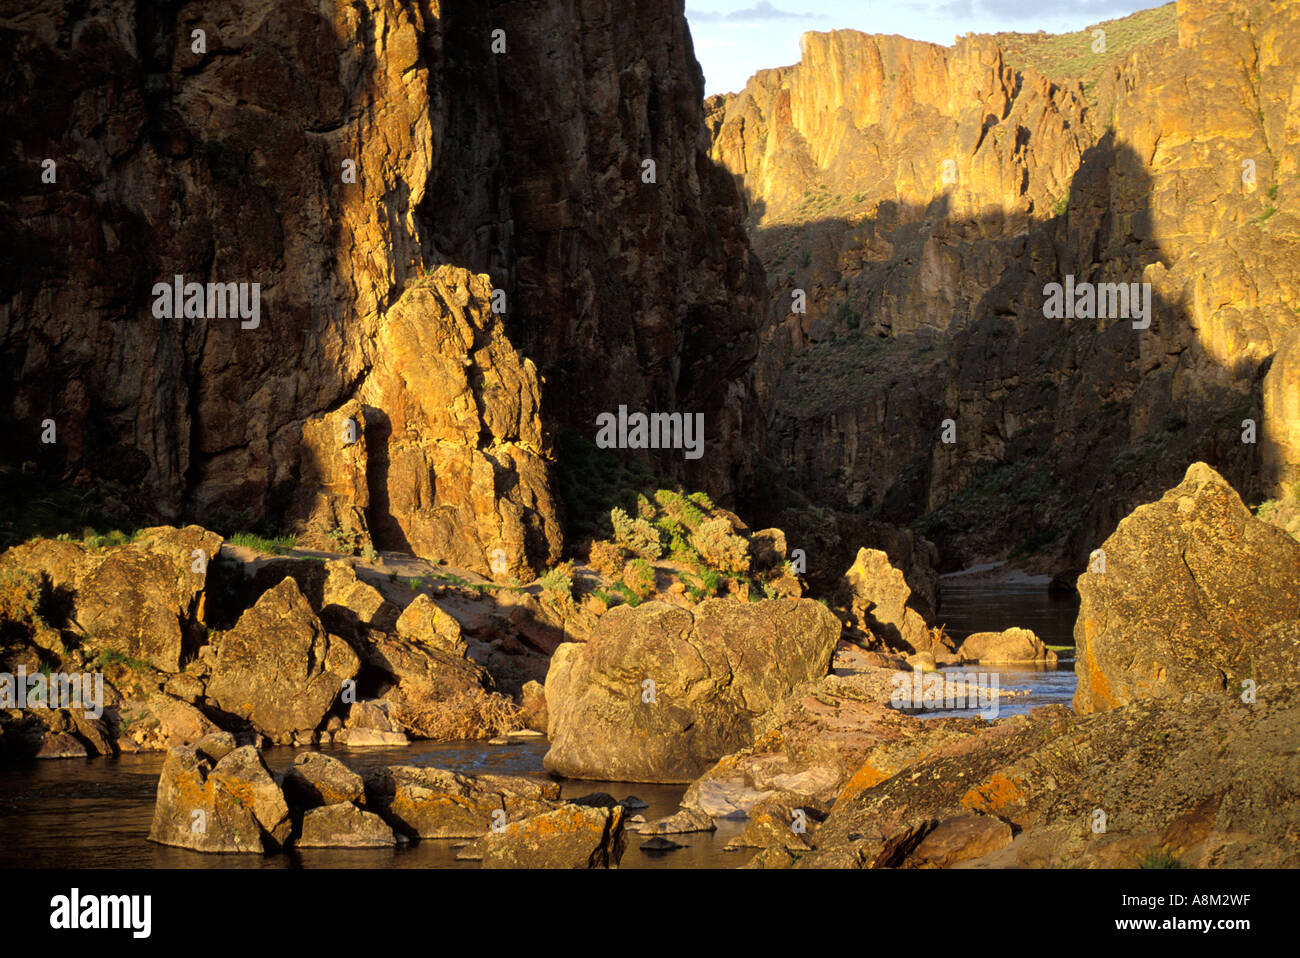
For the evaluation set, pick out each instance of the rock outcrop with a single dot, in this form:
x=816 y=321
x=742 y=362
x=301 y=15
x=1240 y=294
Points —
x=877 y=603
x=1187 y=596
x=145 y=599
x=658 y=693
x=285 y=156
x=1206 y=782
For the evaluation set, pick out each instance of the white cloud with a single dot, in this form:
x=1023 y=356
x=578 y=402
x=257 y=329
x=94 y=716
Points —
x=762 y=10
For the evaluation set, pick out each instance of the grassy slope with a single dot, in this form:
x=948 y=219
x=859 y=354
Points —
x=1069 y=56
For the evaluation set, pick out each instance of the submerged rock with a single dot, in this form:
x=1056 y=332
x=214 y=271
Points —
x=344 y=826
x=574 y=836
x=1008 y=646
x=682 y=822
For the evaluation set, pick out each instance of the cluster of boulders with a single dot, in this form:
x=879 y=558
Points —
x=194 y=636
x=775 y=711
x=1182 y=748
x=216 y=797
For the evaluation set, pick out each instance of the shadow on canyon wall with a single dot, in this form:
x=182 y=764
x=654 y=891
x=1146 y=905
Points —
x=1062 y=426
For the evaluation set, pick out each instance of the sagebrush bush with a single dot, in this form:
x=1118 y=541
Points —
x=606 y=558
x=637 y=536
x=702 y=500
x=469 y=713
x=680 y=510
x=721 y=548
x=20 y=597
x=639 y=577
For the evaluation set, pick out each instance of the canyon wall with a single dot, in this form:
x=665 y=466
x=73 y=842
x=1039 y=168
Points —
x=379 y=170
x=923 y=197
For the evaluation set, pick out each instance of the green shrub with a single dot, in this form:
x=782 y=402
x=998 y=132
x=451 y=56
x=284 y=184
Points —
x=1158 y=858
x=258 y=543
x=711 y=581
x=344 y=541
x=559 y=581
x=639 y=577
x=680 y=510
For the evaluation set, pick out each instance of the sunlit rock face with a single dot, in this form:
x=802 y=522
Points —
x=923 y=198
x=334 y=155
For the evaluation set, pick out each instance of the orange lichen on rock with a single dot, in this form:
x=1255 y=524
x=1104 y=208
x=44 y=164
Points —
x=864 y=778
x=997 y=794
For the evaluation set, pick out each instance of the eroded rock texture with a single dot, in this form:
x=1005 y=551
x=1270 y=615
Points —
x=518 y=171
x=1170 y=610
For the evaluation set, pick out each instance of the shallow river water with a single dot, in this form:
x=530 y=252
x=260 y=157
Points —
x=95 y=813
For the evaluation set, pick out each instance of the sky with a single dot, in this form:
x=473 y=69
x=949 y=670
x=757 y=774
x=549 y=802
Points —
x=736 y=38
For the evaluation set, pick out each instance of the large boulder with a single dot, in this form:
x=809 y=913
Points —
x=1010 y=646
x=1191 y=589
x=877 y=601
x=278 y=668
x=234 y=806
x=349 y=605
x=659 y=693
x=573 y=836
x=164 y=722
x=424 y=622
x=316 y=779
x=435 y=803
x=146 y=599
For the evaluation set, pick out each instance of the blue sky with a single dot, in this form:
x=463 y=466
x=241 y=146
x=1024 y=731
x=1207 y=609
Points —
x=735 y=38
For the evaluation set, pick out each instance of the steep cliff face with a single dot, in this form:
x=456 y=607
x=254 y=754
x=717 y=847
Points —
x=334 y=154
x=924 y=197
